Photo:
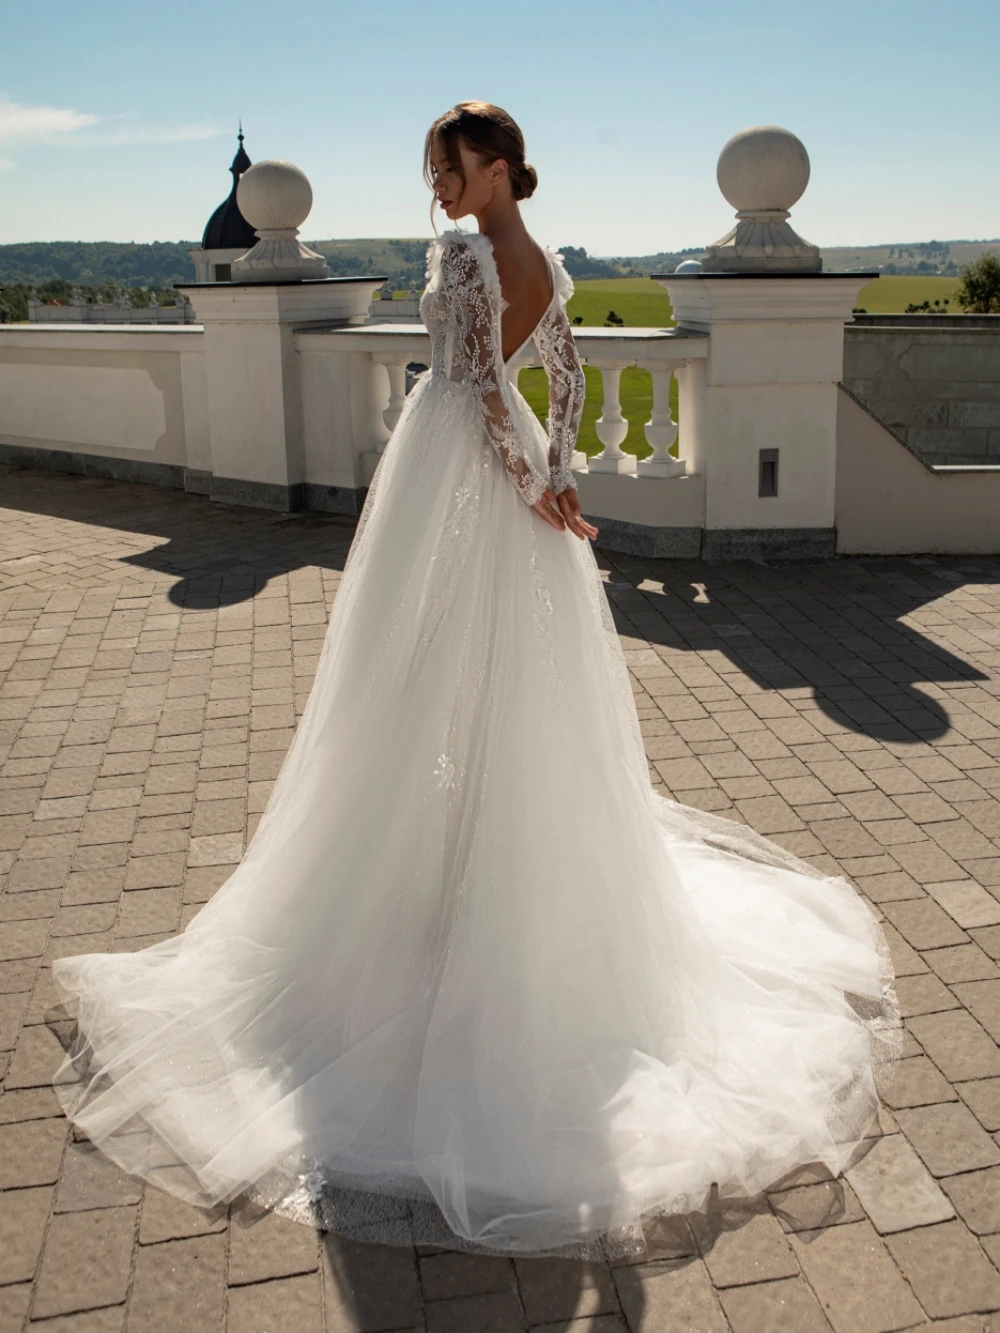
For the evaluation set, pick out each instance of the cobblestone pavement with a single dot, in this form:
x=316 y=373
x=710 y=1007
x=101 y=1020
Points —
x=154 y=652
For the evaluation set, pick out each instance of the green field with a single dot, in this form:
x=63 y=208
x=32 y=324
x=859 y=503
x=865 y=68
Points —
x=641 y=303
x=892 y=293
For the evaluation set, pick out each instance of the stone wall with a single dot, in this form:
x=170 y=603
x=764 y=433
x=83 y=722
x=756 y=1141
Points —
x=935 y=380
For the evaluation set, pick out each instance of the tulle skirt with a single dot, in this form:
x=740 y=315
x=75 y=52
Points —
x=474 y=983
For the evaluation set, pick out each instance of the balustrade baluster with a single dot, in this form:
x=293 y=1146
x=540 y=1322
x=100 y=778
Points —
x=661 y=432
x=611 y=427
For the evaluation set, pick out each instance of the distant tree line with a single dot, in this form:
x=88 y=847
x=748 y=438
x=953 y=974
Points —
x=153 y=264
x=14 y=296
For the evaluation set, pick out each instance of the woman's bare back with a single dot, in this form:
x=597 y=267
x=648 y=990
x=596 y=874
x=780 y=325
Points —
x=526 y=287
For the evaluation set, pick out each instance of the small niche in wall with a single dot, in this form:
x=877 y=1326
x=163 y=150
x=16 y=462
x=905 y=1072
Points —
x=767 y=475
x=223 y=272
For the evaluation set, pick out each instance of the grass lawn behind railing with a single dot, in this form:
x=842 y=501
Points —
x=639 y=303
x=643 y=303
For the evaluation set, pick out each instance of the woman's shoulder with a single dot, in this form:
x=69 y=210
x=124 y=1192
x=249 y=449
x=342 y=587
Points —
x=561 y=280
x=460 y=248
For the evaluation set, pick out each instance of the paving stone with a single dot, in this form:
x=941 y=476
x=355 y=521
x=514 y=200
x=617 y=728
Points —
x=86 y=1261
x=32 y=904
x=216 y=849
x=498 y=1312
x=821 y=1203
x=375 y=1286
x=94 y=886
x=288 y=1305
x=874 y=1298
x=982 y=999
x=924 y=994
x=947 y=1269
x=14 y=1303
x=982 y=1097
x=31 y=1152
x=948 y=1138
x=155 y=872
x=976 y=1198
x=957 y=1044
x=923 y=924
x=37 y=1057
x=186 y=1277
x=23 y=939
x=742 y=1243
x=786 y=1306
x=24 y=1214
x=675 y=1295
x=271 y=1246
x=149 y=911
x=90 y=1180
x=966 y=902
x=918 y=1082
x=166 y=1217
x=888 y=886
x=563 y=1289
x=445 y=1276
x=18 y=1104
x=895 y=1188
x=48 y=872
x=927 y=863
x=962 y=962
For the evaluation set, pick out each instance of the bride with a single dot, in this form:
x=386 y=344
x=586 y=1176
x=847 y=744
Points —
x=475 y=983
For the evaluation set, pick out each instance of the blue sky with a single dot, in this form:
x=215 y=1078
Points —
x=117 y=117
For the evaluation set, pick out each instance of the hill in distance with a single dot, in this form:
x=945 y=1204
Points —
x=159 y=264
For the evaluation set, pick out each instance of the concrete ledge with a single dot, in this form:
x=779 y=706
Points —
x=334 y=499
x=768 y=543
x=638 y=539
x=139 y=470
x=197 y=481
x=257 y=494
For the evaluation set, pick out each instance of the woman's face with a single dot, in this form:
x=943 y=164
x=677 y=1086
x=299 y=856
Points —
x=481 y=180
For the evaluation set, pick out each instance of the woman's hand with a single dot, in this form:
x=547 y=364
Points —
x=569 y=507
x=545 y=507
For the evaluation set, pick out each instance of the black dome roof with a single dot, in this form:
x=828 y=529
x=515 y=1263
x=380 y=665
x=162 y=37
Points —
x=227 y=228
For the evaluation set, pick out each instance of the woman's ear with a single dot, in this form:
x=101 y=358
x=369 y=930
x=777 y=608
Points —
x=498 y=171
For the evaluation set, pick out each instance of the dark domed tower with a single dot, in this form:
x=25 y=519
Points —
x=227 y=232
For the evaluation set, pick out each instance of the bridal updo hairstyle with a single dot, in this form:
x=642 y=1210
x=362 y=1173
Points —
x=491 y=133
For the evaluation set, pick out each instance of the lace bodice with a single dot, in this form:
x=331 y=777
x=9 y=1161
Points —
x=462 y=308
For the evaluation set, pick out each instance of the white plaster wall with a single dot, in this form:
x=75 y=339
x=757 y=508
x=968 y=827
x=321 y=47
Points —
x=328 y=383
x=656 y=502
x=194 y=391
x=890 y=503
x=799 y=420
x=251 y=406
x=117 y=393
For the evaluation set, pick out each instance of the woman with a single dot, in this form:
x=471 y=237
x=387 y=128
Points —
x=474 y=982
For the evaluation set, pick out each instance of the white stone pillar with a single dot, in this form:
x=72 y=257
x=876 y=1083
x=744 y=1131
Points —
x=760 y=424
x=766 y=410
x=253 y=378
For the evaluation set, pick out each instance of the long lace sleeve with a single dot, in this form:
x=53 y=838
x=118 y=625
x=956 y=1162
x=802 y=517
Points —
x=475 y=305
x=567 y=390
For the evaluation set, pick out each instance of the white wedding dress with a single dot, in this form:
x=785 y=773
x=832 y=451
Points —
x=474 y=982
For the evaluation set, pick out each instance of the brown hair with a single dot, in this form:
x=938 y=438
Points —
x=491 y=133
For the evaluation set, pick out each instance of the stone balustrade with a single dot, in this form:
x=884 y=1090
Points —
x=284 y=394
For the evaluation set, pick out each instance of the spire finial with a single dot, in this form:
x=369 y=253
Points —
x=240 y=134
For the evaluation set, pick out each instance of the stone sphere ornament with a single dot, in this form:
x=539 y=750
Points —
x=764 y=169
x=275 y=198
x=762 y=172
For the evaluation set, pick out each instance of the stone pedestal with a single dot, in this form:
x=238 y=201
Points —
x=252 y=381
x=766 y=405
